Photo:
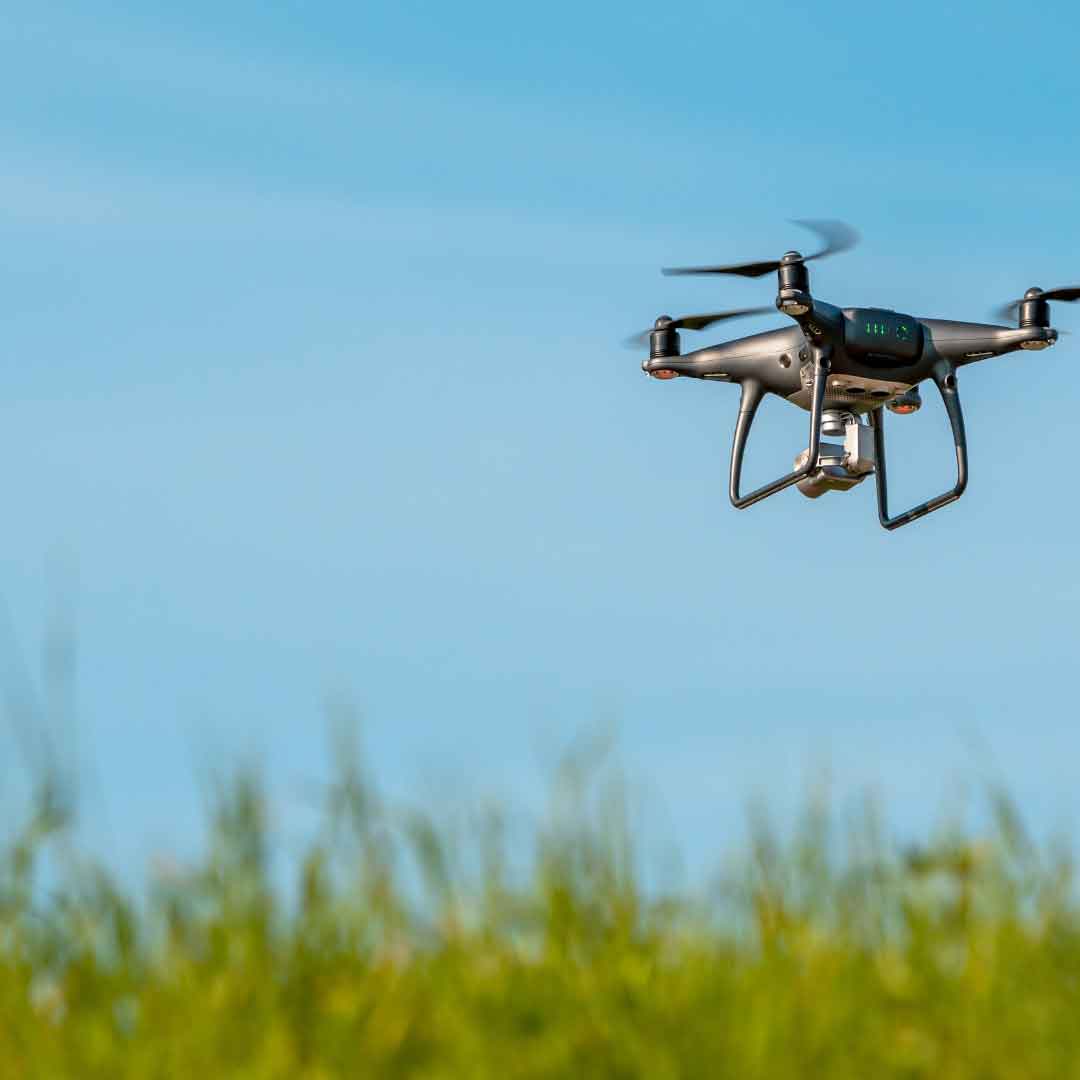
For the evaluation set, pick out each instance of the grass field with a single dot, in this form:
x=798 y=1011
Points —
x=402 y=950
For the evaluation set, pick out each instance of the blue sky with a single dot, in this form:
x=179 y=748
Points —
x=314 y=389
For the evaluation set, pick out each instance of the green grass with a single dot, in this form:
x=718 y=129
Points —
x=405 y=950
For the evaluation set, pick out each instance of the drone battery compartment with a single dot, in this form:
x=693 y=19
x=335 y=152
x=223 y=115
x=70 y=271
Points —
x=882 y=338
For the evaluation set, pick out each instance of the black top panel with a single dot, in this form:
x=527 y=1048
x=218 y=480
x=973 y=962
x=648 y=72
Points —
x=872 y=333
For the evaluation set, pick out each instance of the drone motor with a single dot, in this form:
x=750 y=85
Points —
x=793 y=297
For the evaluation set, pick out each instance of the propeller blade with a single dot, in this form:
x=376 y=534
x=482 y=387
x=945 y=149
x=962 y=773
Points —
x=703 y=322
x=836 y=235
x=1007 y=312
x=698 y=322
x=750 y=270
x=1067 y=293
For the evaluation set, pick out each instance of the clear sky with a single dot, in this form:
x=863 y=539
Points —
x=314 y=387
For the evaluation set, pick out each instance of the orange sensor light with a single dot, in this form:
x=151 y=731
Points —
x=665 y=373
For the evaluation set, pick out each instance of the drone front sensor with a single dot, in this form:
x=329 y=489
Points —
x=906 y=403
x=850 y=365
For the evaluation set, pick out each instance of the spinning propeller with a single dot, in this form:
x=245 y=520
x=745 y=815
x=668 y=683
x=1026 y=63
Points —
x=836 y=235
x=694 y=322
x=1011 y=310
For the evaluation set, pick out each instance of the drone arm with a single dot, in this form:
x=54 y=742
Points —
x=821 y=323
x=944 y=375
x=966 y=343
x=752 y=393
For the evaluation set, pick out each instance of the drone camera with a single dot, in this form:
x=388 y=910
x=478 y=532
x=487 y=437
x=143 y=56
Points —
x=840 y=466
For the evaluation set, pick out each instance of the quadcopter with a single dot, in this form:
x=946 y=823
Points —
x=844 y=366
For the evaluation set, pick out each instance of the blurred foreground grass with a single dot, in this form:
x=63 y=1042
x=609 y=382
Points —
x=405 y=951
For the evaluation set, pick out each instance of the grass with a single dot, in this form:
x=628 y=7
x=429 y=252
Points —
x=403 y=950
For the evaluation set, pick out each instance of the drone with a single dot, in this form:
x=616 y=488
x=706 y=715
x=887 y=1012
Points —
x=844 y=366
